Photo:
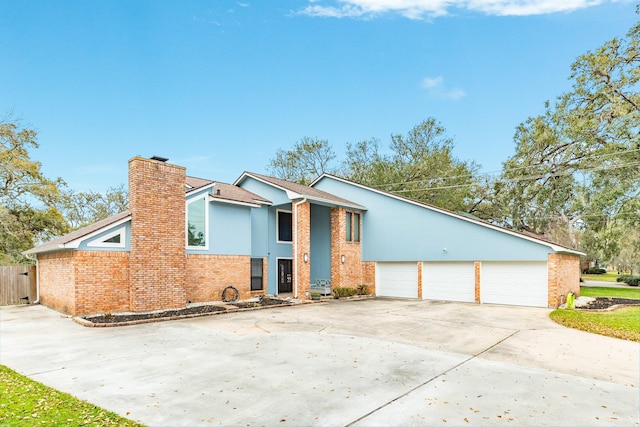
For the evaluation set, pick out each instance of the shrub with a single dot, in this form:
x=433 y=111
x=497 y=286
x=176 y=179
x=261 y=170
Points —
x=362 y=290
x=344 y=292
x=594 y=270
x=629 y=280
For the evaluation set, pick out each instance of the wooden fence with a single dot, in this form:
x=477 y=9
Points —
x=17 y=284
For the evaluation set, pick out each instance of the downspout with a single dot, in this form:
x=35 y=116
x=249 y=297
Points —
x=295 y=253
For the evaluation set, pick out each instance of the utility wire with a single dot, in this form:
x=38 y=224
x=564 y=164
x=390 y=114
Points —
x=482 y=174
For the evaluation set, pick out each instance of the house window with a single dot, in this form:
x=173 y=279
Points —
x=114 y=239
x=256 y=274
x=285 y=233
x=352 y=227
x=196 y=224
x=356 y=227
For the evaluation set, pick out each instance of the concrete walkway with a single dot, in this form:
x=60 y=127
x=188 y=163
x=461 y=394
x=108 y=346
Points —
x=593 y=283
x=368 y=362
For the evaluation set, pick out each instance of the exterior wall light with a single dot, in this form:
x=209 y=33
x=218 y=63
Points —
x=342 y=259
x=305 y=257
x=444 y=249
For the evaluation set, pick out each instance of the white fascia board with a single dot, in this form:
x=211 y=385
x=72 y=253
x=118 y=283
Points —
x=74 y=244
x=233 y=202
x=35 y=251
x=204 y=187
x=556 y=248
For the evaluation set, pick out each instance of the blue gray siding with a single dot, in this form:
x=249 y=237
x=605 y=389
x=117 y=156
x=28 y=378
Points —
x=397 y=230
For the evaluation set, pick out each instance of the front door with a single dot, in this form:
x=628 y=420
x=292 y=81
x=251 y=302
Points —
x=285 y=276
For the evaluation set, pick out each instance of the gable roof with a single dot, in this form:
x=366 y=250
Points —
x=529 y=236
x=72 y=240
x=232 y=193
x=193 y=183
x=223 y=192
x=299 y=191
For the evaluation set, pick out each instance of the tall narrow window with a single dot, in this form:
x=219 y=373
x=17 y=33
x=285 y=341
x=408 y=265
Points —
x=356 y=227
x=256 y=274
x=349 y=237
x=196 y=223
x=285 y=233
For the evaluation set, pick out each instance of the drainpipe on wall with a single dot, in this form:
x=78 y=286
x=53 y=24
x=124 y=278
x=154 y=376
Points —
x=295 y=253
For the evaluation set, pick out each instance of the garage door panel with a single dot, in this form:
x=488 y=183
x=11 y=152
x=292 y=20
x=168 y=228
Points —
x=450 y=281
x=514 y=283
x=397 y=279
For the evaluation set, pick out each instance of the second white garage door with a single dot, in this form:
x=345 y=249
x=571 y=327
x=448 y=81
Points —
x=514 y=283
x=397 y=279
x=451 y=281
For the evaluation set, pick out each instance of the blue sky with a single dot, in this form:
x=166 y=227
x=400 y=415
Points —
x=218 y=86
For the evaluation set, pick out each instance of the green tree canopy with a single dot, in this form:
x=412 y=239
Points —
x=28 y=212
x=576 y=170
x=308 y=159
x=420 y=166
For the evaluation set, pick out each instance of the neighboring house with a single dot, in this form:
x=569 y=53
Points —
x=185 y=239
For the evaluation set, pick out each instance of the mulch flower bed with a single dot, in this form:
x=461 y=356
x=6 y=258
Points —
x=193 y=311
x=602 y=303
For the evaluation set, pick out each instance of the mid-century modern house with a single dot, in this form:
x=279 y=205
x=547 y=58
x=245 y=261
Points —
x=184 y=239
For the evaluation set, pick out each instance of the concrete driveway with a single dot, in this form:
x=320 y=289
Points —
x=366 y=362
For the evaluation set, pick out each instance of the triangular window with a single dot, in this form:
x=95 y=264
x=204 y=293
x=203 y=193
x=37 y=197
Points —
x=114 y=239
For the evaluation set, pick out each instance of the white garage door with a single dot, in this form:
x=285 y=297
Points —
x=451 y=281
x=514 y=283
x=397 y=279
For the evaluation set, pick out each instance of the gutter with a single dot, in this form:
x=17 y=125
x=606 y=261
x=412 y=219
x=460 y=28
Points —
x=295 y=254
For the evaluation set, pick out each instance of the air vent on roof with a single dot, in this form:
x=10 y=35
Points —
x=160 y=159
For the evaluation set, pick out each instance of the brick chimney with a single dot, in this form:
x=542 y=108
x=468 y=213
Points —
x=157 y=258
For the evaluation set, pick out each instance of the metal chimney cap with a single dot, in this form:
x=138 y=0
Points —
x=160 y=159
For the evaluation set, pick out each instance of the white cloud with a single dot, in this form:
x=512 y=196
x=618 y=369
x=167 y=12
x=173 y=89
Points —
x=425 y=9
x=436 y=88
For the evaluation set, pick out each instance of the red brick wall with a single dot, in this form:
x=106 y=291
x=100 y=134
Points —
x=302 y=245
x=564 y=277
x=102 y=281
x=353 y=272
x=477 y=266
x=157 y=261
x=208 y=275
x=57 y=281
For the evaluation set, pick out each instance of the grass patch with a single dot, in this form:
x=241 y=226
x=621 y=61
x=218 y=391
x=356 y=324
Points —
x=27 y=402
x=588 y=291
x=609 y=276
x=621 y=323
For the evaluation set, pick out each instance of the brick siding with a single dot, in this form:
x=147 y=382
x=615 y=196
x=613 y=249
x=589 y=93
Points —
x=354 y=272
x=301 y=245
x=57 y=281
x=564 y=277
x=156 y=200
x=102 y=281
x=208 y=275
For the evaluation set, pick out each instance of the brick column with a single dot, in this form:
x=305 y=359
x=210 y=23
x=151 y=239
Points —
x=157 y=258
x=564 y=277
x=353 y=272
x=302 y=245
x=477 y=266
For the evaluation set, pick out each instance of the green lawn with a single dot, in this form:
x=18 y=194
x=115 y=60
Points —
x=24 y=402
x=587 y=291
x=609 y=276
x=620 y=323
